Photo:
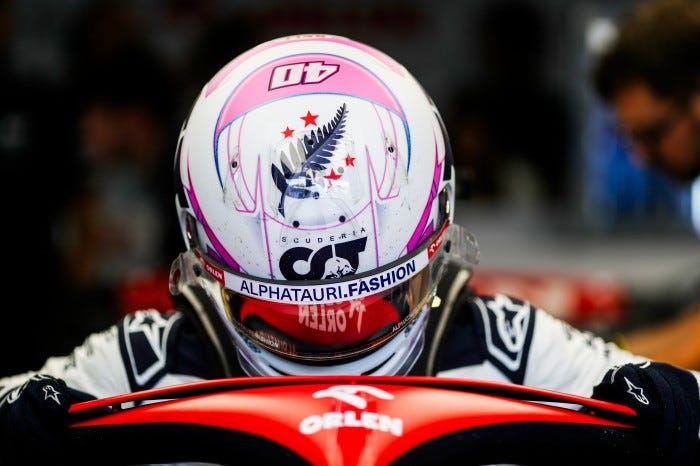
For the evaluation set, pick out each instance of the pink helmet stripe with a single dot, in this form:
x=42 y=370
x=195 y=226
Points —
x=351 y=79
x=423 y=229
x=216 y=81
x=219 y=250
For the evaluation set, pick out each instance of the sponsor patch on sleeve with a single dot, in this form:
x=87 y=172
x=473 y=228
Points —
x=508 y=325
x=143 y=341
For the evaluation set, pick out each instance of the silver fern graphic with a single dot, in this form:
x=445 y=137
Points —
x=306 y=159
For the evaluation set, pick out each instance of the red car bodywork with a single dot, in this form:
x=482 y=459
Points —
x=351 y=420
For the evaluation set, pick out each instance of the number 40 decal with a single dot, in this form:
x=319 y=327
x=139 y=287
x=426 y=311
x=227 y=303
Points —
x=301 y=73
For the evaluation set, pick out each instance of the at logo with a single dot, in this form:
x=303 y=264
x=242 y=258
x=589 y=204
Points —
x=330 y=261
x=301 y=73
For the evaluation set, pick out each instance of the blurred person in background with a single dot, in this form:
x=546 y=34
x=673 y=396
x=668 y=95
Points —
x=649 y=75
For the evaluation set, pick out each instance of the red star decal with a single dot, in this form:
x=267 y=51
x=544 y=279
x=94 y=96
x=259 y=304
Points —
x=333 y=176
x=349 y=161
x=309 y=119
x=287 y=132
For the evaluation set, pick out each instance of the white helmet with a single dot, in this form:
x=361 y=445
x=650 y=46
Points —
x=316 y=190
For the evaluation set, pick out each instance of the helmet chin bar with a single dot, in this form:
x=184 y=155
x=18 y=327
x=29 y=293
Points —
x=396 y=357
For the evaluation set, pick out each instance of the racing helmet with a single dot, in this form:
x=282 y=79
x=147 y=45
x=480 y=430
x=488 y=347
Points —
x=315 y=197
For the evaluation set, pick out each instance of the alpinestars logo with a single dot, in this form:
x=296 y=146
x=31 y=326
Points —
x=506 y=323
x=14 y=394
x=356 y=396
x=51 y=393
x=145 y=339
x=636 y=392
